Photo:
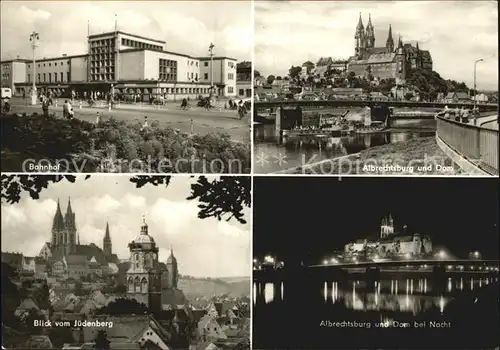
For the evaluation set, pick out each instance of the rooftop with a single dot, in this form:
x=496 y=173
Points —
x=97 y=36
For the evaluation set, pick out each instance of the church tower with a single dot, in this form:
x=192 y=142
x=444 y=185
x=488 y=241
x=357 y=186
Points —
x=389 y=44
x=370 y=33
x=359 y=38
x=58 y=227
x=386 y=227
x=173 y=272
x=144 y=274
x=106 y=242
x=70 y=239
x=401 y=63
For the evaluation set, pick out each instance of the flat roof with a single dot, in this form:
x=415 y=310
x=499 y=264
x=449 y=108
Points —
x=96 y=36
x=216 y=58
x=179 y=54
x=162 y=51
x=59 y=58
x=16 y=60
x=44 y=59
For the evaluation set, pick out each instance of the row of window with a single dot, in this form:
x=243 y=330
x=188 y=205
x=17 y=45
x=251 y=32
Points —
x=102 y=50
x=50 y=64
x=167 y=63
x=141 y=45
x=245 y=92
x=98 y=64
x=102 y=70
x=102 y=77
x=47 y=77
x=102 y=42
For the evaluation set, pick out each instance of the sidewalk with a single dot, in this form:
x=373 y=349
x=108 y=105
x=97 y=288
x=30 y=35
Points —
x=146 y=106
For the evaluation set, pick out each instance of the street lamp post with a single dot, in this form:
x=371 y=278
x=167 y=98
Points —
x=475 y=93
x=211 y=53
x=34 y=37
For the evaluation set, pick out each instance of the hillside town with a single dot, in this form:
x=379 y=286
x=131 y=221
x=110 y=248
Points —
x=396 y=72
x=75 y=296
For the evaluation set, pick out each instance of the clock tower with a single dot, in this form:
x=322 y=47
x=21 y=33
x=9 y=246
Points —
x=144 y=274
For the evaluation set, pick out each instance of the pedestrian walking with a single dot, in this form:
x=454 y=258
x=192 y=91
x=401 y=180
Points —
x=45 y=107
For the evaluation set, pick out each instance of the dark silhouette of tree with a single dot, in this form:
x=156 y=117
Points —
x=218 y=197
x=14 y=185
x=120 y=289
x=294 y=71
x=60 y=336
x=123 y=306
x=29 y=321
x=243 y=345
x=279 y=78
x=309 y=66
x=10 y=297
x=256 y=73
x=409 y=96
x=270 y=79
x=78 y=289
x=101 y=341
x=40 y=295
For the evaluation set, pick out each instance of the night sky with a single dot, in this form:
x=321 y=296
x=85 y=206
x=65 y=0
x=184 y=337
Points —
x=305 y=218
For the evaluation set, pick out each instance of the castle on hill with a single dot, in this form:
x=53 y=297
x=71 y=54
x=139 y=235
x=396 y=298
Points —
x=384 y=62
x=389 y=242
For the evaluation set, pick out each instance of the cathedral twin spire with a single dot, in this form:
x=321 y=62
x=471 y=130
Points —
x=366 y=38
x=64 y=229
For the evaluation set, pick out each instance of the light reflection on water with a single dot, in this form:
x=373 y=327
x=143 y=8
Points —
x=417 y=295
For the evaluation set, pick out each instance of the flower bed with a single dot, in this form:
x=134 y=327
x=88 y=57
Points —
x=117 y=146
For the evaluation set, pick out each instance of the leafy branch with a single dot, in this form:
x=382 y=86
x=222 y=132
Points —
x=225 y=197
x=14 y=185
x=218 y=198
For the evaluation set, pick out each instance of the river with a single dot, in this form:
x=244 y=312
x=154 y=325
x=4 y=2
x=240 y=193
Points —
x=393 y=313
x=271 y=156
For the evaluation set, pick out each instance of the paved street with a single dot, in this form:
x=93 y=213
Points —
x=204 y=122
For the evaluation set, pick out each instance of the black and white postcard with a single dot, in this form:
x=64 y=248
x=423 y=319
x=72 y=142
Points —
x=375 y=263
x=112 y=262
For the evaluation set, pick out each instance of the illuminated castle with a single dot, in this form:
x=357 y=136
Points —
x=389 y=242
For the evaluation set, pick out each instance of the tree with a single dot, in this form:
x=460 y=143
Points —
x=218 y=198
x=60 y=336
x=40 y=295
x=78 y=289
x=123 y=306
x=279 y=78
x=10 y=297
x=294 y=72
x=409 y=96
x=121 y=289
x=118 y=146
x=309 y=66
x=101 y=341
x=256 y=73
x=270 y=79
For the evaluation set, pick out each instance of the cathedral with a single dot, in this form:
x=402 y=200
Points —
x=148 y=280
x=385 y=62
x=68 y=258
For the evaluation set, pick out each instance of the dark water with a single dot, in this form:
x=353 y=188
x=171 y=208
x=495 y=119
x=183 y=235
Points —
x=289 y=315
x=270 y=156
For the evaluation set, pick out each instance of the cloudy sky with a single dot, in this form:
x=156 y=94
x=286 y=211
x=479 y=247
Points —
x=187 y=26
x=455 y=32
x=204 y=248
